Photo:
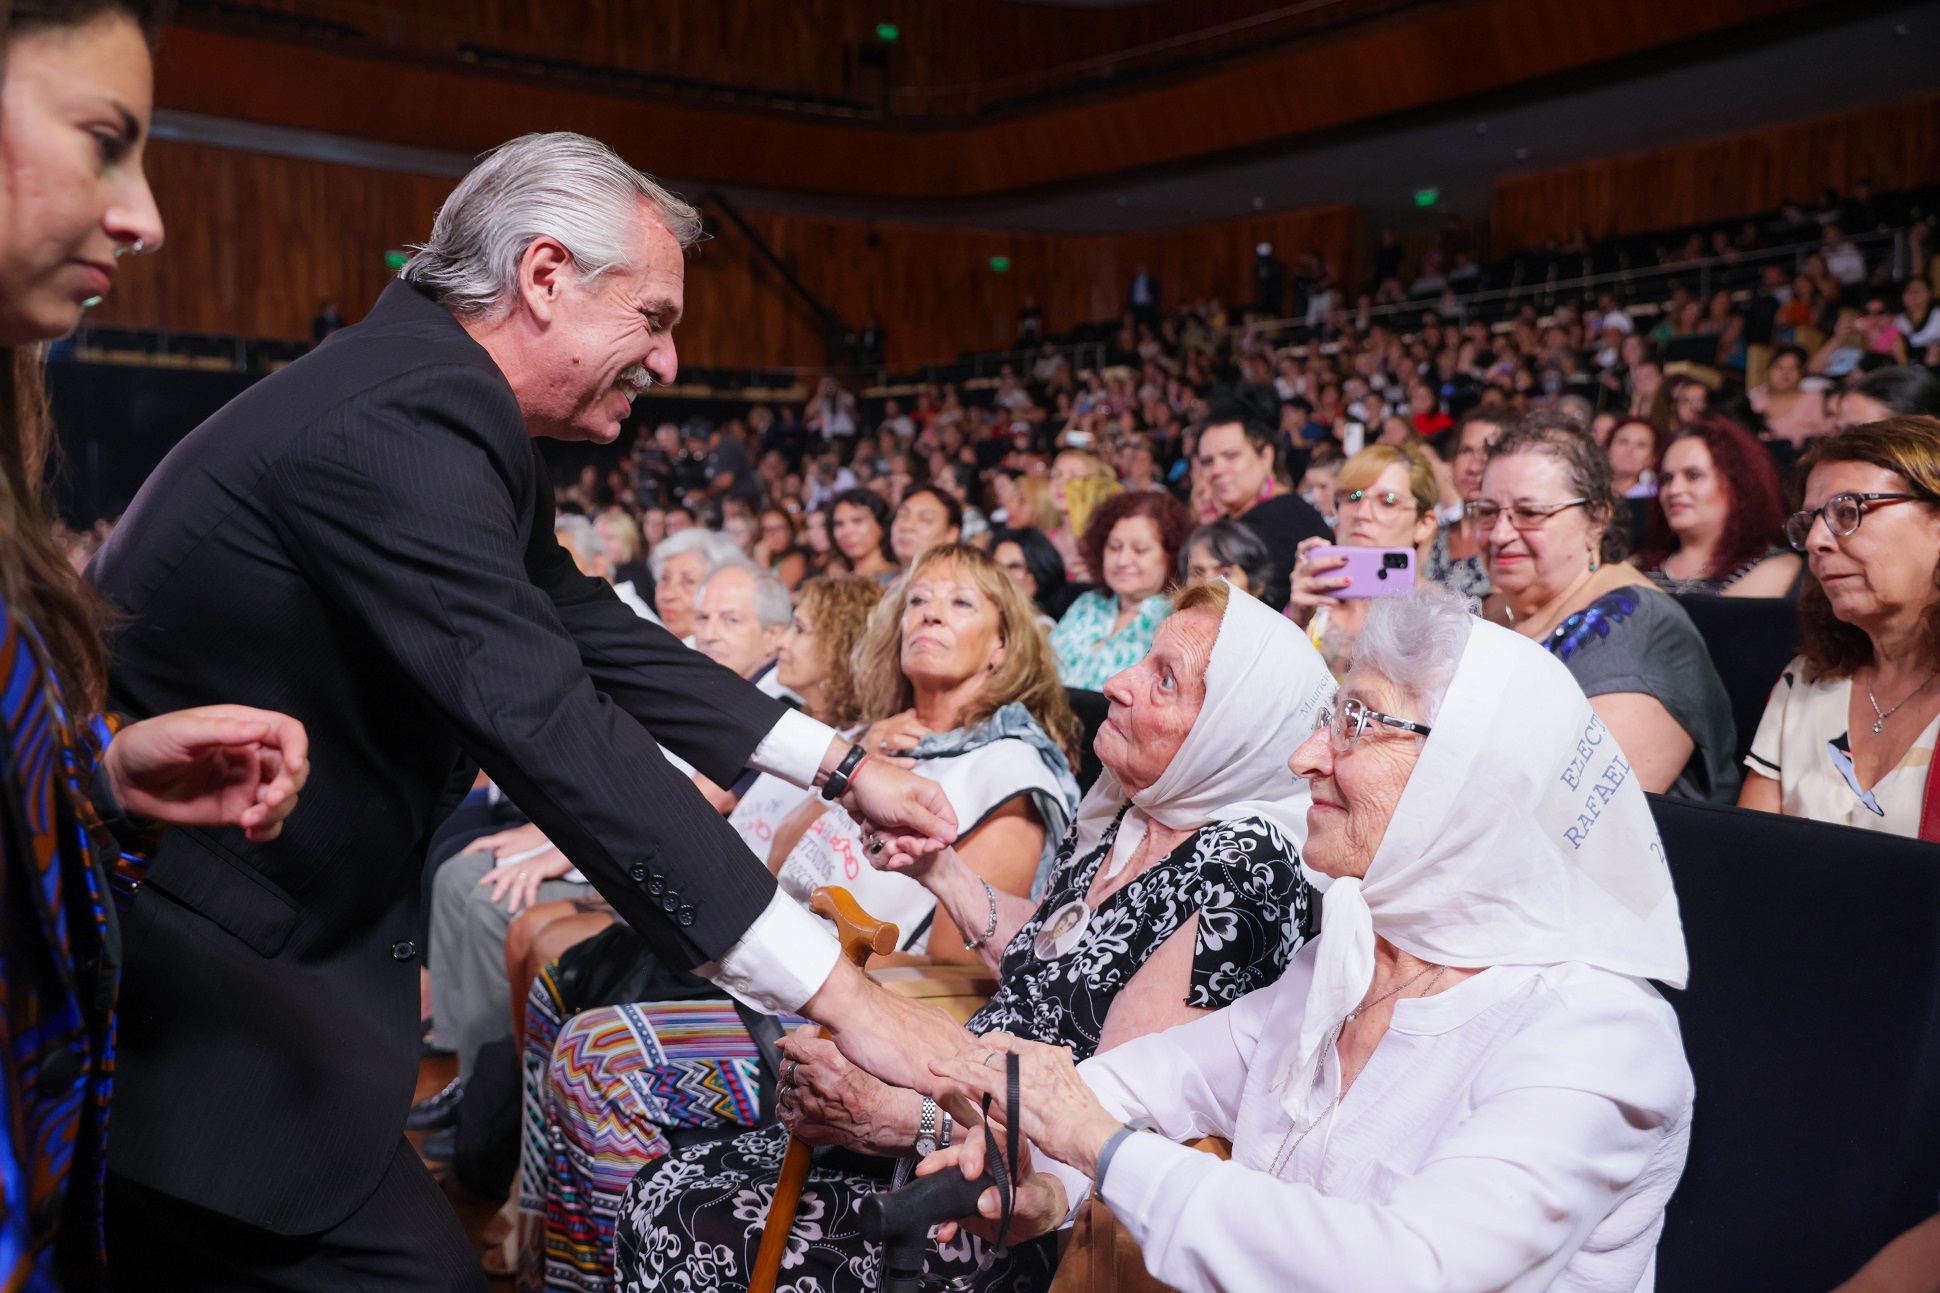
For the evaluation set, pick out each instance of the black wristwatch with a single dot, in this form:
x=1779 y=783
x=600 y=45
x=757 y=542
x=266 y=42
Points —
x=838 y=783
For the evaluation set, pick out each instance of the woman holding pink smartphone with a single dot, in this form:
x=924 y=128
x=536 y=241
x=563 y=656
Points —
x=1385 y=495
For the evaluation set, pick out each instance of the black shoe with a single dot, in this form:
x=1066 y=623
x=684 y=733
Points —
x=439 y=1146
x=435 y=1111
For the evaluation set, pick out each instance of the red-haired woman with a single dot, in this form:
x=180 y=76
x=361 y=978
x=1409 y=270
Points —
x=1718 y=524
x=1132 y=541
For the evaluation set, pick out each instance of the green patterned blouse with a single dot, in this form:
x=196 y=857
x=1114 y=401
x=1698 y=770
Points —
x=1089 y=652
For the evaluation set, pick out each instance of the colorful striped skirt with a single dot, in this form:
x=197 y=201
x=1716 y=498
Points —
x=601 y=1087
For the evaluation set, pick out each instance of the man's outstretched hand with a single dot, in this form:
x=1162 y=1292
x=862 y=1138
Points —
x=216 y=765
x=909 y=813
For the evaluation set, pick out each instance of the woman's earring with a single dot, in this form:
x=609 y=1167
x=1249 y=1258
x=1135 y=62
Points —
x=1593 y=561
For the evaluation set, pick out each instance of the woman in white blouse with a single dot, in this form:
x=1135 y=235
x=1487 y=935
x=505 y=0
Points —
x=1849 y=733
x=1466 y=1083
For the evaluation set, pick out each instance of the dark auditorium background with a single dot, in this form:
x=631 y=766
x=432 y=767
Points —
x=1367 y=218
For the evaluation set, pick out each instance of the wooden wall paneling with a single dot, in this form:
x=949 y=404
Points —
x=1369 y=70
x=255 y=242
x=1895 y=144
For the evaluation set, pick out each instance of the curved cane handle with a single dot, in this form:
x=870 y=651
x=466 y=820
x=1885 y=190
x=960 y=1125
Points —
x=860 y=934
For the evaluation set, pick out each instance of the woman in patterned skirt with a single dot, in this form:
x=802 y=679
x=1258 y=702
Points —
x=1178 y=891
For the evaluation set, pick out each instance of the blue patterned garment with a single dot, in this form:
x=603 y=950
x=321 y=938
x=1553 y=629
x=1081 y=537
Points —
x=1592 y=622
x=57 y=983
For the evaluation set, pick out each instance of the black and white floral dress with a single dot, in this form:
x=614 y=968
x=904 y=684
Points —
x=692 y=1221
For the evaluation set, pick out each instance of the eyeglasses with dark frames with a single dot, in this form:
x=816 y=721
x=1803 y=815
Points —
x=1842 y=513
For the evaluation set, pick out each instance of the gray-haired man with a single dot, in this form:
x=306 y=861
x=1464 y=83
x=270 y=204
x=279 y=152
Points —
x=364 y=540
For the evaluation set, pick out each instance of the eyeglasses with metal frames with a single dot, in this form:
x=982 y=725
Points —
x=1523 y=516
x=1346 y=724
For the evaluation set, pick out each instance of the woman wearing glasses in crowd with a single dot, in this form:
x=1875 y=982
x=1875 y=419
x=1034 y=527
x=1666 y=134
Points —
x=1849 y=733
x=1547 y=516
x=1455 y=557
x=1385 y=497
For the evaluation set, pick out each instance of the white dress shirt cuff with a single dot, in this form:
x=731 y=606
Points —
x=1150 y=1174
x=793 y=748
x=783 y=960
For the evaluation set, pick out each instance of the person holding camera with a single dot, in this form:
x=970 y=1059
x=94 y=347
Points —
x=1385 y=498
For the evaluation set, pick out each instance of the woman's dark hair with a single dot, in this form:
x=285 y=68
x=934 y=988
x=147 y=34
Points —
x=877 y=506
x=1909 y=447
x=1167 y=514
x=1042 y=560
x=1906 y=389
x=39 y=15
x=1584 y=465
x=1754 y=519
x=1232 y=543
x=1796 y=352
x=948 y=502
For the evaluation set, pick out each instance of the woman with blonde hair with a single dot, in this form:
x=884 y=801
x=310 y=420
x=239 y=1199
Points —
x=1385 y=497
x=1067 y=469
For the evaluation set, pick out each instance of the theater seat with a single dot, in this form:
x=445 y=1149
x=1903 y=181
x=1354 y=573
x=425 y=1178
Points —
x=1091 y=707
x=1812 y=1023
x=1750 y=639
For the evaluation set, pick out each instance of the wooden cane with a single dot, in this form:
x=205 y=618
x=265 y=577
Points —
x=861 y=936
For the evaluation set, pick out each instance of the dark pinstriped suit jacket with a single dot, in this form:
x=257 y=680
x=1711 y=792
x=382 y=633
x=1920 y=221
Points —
x=364 y=540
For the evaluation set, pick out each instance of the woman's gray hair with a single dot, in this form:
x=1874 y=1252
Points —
x=580 y=534
x=562 y=186
x=1416 y=642
x=712 y=544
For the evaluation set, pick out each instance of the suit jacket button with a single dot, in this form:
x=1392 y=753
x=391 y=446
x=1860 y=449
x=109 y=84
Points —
x=657 y=885
x=638 y=873
x=670 y=902
x=685 y=915
x=403 y=950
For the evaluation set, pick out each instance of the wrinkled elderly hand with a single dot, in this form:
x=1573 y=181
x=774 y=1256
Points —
x=1312 y=585
x=1040 y=1204
x=1056 y=1110
x=825 y=1100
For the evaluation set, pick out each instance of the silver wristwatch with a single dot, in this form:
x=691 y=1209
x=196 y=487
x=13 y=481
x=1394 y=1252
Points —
x=926 y=1130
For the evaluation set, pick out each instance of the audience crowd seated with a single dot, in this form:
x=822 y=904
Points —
x=951 y=674
x=1177 y=892
x=1466 y=1081
x=932 y=569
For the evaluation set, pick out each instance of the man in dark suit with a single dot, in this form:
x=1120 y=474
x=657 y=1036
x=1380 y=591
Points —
x=365 y=541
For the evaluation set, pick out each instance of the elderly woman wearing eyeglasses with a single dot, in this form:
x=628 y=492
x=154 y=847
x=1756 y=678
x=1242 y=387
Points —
x=1547 y=518
x=1848 y=735
x=1385 y=496
x=1465 y=1083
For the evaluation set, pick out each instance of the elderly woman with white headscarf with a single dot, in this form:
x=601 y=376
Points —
x=1465 y=1083
x=1177 y=892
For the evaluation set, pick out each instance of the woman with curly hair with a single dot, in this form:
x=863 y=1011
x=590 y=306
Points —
x=1717 y=524
x=1133 y=542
